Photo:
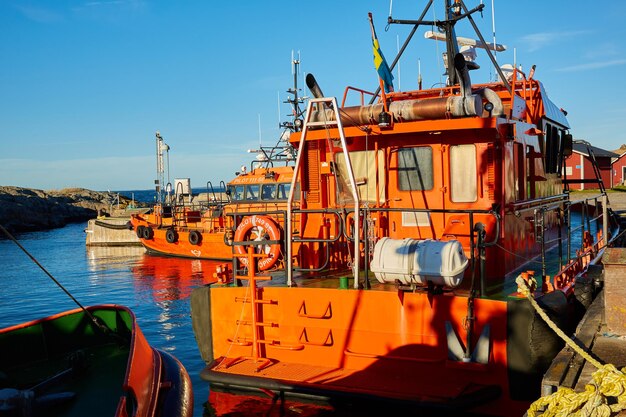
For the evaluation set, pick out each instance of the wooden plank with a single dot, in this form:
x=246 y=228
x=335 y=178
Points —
x=565 y=367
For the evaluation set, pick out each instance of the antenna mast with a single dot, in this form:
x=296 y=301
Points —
x=161 y=149
x=493 y=28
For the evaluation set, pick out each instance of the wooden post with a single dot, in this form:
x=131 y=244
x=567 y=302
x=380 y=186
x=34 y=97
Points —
x=614 y=261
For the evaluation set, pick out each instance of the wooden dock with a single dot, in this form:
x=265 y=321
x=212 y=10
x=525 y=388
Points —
x=602 y=331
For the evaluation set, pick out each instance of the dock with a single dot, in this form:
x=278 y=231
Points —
x=113 y=230
x=601 y=332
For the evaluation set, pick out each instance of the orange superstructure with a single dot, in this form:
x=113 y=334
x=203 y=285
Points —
x=208 y=232
x=413 y=217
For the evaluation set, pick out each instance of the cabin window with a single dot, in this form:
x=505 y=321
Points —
x=268 y=192
x=415 y=168
x=463 y=174
x=252 y=192
x=364 y=165
x=283 y=191
x=280 y=191
x=553 y=145
x=236 y=192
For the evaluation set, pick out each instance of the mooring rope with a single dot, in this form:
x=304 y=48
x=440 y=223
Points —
x=607 y=382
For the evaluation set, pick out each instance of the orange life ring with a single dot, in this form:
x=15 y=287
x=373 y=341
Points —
x=269 y=227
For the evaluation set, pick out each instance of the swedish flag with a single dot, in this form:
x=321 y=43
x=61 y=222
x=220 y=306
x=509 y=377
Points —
x=379 y=61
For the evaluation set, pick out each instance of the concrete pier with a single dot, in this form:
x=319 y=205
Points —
x=112 y=231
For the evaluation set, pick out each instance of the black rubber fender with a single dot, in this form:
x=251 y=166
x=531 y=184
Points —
x=148 y=233
x=195 y=237
x=176 y=395
x=139 y=231
x=171 y=236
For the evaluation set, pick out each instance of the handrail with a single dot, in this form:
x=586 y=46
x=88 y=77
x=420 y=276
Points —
x=363 y=93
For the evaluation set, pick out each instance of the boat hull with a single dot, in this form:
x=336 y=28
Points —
x=376 y=344
x=66 y=366
x=209 y=246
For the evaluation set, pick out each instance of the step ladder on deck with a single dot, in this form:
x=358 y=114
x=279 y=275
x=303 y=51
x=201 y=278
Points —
x=319 y=106
x=594 y=165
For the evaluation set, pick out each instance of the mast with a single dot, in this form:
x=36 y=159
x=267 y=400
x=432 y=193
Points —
x=296 y=124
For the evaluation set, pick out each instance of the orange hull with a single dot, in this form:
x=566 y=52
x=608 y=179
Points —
x=210 y=246
x=376 y=344
x=154 y=383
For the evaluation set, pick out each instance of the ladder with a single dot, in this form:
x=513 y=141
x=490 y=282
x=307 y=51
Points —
x=596 y=170
x=333 y=120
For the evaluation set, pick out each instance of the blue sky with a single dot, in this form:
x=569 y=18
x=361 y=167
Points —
x=85 y=84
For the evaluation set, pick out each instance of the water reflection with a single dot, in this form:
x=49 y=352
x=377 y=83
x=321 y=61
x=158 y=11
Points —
x=165 y=278
x=172 y=278
x=232 y=405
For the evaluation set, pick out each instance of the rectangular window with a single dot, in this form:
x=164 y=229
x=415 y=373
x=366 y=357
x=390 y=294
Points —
x=283 y=191
x=236 y=192
x=268 y=192
x=463 y=174
x=415 y=169
x=252 y=192
x=364 y=165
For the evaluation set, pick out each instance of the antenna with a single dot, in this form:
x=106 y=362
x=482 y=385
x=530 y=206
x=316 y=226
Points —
x=467 y=47
x=461 y=41
x=493 y=28
x=419 y=74
x=390 y=6
x=398 y=46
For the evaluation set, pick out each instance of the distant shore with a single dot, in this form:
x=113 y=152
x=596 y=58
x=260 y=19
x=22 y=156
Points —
x=27 y=209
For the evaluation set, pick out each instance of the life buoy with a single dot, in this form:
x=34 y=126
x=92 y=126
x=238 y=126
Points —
x=195 y=237
x=139 y=231
x=171 y=235
x=148 y=233
x=259 y=226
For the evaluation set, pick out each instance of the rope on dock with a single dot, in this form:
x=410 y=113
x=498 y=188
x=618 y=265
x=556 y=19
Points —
x=604 y=395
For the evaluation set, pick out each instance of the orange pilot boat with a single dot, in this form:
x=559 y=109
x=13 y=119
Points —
x=401 y=249
x=207 y=232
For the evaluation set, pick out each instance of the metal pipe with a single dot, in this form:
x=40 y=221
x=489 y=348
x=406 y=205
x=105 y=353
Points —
x=605 y=219
x=405 y=110
x=355 y=195
x=292 y=189
x=313 y=86
x=560 y=233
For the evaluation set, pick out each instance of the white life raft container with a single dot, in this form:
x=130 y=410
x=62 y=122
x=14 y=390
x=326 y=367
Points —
x=412 y=261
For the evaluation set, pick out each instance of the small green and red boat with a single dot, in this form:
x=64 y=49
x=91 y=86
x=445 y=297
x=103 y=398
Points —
x=89 y=362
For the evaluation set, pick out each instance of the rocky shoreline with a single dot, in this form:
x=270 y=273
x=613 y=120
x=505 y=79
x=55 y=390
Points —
x=25 y=209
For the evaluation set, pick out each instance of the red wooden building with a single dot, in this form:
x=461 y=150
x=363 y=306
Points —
x=579 y=166
x=619 y=168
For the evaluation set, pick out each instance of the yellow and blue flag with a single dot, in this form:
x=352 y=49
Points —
x=379 y=61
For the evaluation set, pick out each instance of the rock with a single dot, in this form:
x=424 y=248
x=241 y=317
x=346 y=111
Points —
x=25 y=209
